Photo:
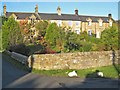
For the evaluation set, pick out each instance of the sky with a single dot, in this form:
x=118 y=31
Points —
x=84 y=8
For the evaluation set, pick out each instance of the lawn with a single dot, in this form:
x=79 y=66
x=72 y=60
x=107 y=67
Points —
x=109 y=72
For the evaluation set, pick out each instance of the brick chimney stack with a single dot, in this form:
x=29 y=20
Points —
x=76 y=11
x=4 y=10
x=36 y=9
x=59 y=10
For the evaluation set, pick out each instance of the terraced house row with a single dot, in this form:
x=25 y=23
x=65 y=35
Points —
x=73 y=22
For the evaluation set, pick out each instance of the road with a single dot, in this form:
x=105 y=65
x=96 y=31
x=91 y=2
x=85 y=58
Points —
x=15 y=78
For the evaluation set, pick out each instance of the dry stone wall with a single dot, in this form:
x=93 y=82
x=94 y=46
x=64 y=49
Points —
x=80 y=60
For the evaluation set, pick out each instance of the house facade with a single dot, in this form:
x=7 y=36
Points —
x=73 y=22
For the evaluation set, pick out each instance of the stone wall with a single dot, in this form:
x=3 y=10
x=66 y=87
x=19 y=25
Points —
x=80 y=60
x=19 y=57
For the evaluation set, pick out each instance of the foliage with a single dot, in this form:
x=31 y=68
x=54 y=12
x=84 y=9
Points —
x=41 y=27
x=25 y=30
x=72 y=42
x=11 y=34
x=54 y=36
x=21 y=48
x=24 y=26
x=110 y=38
x=38 y=49
x=2 y=20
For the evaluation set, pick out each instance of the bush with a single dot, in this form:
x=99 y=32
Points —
x=21 y=48
x=85 y=47
x=36 y=49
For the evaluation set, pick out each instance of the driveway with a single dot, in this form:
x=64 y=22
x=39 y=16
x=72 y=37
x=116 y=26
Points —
x=15 y=78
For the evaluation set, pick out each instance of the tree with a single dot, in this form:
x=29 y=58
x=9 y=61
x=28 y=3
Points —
x=11 y=34
x=25 y=30
x=54 y=37
x=41 y=27
x=110 y=38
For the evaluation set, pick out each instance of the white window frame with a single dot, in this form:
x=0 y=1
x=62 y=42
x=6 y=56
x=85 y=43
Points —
x=59 y=23
x=110 y=23
x=100 y=23
x=77 y=31
x=77 y=23
x=90 y=34
x=70 y=23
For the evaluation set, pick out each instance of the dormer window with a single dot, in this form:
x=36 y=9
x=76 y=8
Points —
x=70 y=23
x=100 y=22
x=14 y=16
x=32 y=18
x=89 y=21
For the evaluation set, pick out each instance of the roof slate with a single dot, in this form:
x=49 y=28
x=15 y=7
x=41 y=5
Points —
x=55 y=16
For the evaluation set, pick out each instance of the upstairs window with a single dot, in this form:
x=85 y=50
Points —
x=77 y=23
x=59 y=23
x=90 y=32
x=69 y=23
x=110 y=22
x=100 y=23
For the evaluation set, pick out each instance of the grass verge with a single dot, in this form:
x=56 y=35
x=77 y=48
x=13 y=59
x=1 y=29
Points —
x=109 y=72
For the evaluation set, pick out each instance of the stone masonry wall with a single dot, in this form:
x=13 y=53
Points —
x=80 y=60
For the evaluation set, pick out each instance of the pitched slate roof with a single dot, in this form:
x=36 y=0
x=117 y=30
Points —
x=55 y=16
x=20 y=15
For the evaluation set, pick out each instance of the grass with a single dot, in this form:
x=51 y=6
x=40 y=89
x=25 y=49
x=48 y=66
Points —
x=109 y=72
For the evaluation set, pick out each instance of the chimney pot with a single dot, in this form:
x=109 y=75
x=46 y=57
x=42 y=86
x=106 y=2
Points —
x=36 y=9
x=4 y=10
x=110 y=15
x=76 y=11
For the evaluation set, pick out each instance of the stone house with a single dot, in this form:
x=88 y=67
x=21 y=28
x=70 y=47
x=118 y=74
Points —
x=73 y=22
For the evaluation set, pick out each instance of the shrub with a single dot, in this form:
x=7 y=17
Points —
x=21 y=48
x=36 y=49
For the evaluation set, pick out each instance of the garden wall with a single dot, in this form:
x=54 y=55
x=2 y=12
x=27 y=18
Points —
x=80 y=60
x=19 y=57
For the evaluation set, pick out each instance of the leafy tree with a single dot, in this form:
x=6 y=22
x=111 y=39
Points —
x=25 y=30
x=54 y=36
x=110 y=38
x=11 y=34
x=41 y=27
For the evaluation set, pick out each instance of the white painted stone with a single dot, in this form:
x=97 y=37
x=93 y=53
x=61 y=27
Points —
x=72 y=74
x=100 y=74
